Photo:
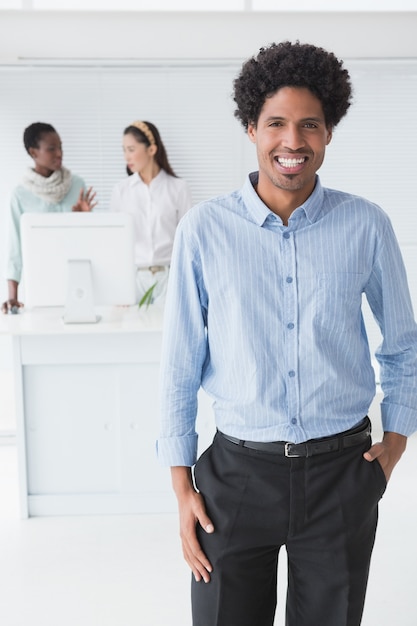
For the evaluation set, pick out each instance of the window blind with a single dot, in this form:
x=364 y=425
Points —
x=371 y=153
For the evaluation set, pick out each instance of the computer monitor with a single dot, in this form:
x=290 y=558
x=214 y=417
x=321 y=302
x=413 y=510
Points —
x=78 y=260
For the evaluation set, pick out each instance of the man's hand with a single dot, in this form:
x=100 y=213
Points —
x=85 y=201
x=192 y=512
x=388 y=452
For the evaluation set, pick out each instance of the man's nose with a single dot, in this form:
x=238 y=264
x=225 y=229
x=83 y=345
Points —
x=293 y=137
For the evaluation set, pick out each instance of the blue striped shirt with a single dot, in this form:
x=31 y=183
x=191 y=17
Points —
x=267 y=319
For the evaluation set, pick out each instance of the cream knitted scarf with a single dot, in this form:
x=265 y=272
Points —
x=52 y=189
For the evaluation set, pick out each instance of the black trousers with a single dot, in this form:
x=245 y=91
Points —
x=324 y=509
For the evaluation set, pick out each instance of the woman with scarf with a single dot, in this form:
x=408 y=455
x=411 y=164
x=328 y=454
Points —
x=47 y=187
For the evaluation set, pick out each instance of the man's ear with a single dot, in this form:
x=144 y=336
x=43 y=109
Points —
x=252 y=132
x=329 y=135
x=32 y=152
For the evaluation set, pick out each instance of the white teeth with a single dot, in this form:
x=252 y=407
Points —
x=290 y=162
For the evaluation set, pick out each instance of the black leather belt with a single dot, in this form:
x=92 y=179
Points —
x=308 y=448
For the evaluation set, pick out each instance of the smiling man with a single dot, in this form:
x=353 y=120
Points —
x=264 y=312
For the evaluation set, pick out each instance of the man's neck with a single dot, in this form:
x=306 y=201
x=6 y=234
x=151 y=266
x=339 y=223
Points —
x=281 y=201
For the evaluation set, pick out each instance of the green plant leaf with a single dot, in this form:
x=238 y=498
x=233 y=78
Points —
x=147 y=297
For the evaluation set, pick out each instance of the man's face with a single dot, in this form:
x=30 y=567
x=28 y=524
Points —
x=291 y=138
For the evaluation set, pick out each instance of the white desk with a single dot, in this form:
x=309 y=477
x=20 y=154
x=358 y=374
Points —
x=87 y=413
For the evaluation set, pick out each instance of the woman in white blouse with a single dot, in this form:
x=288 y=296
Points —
x=156 y=199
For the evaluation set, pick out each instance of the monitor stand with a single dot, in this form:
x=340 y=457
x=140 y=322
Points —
x=79 y=306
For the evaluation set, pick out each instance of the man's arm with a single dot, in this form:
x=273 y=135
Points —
x=389 y=298
x=388 y=295
x=184 y=354
x=191 y=512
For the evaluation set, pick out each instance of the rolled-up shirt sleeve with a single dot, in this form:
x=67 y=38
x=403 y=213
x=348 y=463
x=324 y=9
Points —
x=184 y=352
x=388 y=295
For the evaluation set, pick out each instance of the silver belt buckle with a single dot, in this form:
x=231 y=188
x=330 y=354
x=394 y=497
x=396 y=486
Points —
x=287 y=451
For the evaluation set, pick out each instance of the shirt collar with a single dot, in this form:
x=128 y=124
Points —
x=259 y=212
x=135 y=179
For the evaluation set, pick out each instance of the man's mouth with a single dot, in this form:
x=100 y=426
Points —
x=290 y=163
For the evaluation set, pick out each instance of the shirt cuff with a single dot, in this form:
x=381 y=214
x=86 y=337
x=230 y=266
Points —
x=398 y=419
x=177 y=451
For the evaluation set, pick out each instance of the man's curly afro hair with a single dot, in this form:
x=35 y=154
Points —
x=289 y=64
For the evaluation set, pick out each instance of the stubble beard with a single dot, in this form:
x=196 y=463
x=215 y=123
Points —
x=288 y=182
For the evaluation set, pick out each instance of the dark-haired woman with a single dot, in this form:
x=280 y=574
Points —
x=157 y=199
x=47 y=187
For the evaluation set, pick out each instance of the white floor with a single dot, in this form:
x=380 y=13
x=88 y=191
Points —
x=128 y=570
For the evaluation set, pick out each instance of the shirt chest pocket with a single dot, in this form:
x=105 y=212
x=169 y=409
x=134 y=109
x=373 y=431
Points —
x=338 y=300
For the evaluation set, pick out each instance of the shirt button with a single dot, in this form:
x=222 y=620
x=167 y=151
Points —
x=293 y=421
x=290 y=325
x=291 y=373
x=289 y=279
x=287 y=235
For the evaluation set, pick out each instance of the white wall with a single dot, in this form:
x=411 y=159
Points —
x=41 y=37
x=95 y=35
